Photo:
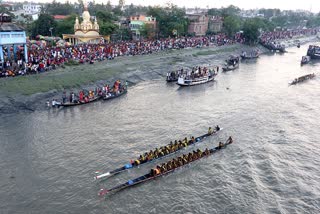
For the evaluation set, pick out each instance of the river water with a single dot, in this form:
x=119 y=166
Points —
x=48 y=158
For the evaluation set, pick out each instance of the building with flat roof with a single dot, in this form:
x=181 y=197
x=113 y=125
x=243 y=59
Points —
x=13 y=41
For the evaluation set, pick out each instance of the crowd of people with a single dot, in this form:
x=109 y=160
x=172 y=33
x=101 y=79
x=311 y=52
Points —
x=185 y=159
x=170 y=148
x=267 y=37
x=42 y=59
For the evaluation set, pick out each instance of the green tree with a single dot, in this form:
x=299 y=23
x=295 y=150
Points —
x=169 y=18
x=107 y=28
x=231 y=10
x=66 y=26
x=57 y=8
x=251 y=31
x=147 y=31
x=231 y=25
x=42 y=25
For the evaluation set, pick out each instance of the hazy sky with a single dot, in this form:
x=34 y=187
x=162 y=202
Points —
x=314 y=5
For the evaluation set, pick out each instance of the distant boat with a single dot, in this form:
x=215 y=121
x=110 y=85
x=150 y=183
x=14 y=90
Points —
x=302 y=79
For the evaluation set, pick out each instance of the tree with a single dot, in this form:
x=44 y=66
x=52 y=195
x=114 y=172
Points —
x=107 y=28
x=251 y=31
x=66 y=26
x=147 y=31
x=42 y=25
x=231 y=25
x=230 y=11
x=169 y=18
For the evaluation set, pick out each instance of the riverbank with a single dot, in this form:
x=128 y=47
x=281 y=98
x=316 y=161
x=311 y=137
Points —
x=29 y=93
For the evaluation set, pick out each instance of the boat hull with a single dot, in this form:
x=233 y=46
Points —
x=193 y=83
x=79 y=103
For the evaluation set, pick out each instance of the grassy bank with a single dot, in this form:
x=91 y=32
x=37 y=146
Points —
x=75 y=76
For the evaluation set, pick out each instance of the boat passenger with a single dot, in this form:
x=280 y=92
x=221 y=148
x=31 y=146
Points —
x=206 y=152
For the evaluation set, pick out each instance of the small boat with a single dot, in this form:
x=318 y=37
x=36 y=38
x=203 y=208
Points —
x=249 y=57
x=253 y=55
x=302 y=79
x=133 y=165
x=230 y=67
x=305 y=60
x=76 y=103
x=113 y=95
x=172 y=76
x=150 y=176
x=184 y=81
x=314 y=52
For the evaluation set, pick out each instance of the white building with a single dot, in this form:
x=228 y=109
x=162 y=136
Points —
x=30 y=8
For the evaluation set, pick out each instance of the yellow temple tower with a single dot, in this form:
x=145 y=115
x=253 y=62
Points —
x=85 y=32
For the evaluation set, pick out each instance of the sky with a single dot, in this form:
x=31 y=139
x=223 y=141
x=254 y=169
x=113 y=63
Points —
x=313 y=5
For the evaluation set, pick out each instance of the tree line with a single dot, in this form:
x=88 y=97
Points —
x=171 y=20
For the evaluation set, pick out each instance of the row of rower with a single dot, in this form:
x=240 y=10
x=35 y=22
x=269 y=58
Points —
x=170 y=148
x=183 y=159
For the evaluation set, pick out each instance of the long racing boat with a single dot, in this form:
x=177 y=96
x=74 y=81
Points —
x=139 y=162
x=151 y=175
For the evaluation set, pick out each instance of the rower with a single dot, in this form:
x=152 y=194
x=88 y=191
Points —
x=141 y=158
x=199 y=153
x=210 y=131
x=136 y=162
x=206 y=152
x=230 y=140
x=217 y=128
x=163 y=168
x=185 y=159
x=220 y=145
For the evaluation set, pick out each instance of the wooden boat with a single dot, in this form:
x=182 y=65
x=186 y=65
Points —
x=272 y=46
x=305 y=60
x=230 y=67
x=183 y=81
x=314 y=52
x=68 y=104
x=133 y=165
x=150 y=176
x=302 y=79
x=249 y=57
x=114 y=95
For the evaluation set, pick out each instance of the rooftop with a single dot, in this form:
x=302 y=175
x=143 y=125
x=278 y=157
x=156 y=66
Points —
x=7 y=27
